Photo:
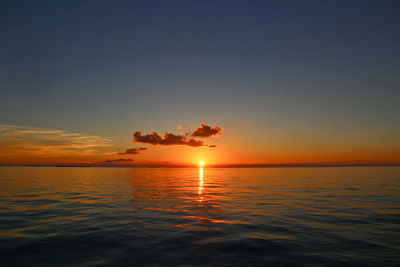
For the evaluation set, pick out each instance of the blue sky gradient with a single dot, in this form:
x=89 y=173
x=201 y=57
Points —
x=328 y=71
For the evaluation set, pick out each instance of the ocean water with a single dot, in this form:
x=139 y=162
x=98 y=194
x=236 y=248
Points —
x=190 y=216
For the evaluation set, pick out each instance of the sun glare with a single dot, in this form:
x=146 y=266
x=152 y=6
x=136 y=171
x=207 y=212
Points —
x=201 y=163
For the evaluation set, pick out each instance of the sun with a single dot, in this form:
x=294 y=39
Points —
x=201 y=163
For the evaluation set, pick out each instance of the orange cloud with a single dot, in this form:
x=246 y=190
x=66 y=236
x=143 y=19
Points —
x=207 y=131
x=132 y=151
x=212 y=146
x=166 y=140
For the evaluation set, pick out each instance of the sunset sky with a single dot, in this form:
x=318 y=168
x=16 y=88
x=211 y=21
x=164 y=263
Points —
x=271 y=82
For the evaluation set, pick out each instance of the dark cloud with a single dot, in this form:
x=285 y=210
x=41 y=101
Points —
x=212 y=146
x=132 y=151
x=166 y=140
x=117 y=160
x=206 y=131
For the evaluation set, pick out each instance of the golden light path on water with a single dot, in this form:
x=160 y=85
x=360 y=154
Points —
x=200 y=191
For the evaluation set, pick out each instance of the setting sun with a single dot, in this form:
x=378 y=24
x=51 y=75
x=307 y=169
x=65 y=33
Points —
x=201 y=163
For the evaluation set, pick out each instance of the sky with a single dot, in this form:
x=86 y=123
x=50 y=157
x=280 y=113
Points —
x=284 y=81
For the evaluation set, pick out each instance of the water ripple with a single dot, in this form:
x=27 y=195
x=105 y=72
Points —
x=251 y=217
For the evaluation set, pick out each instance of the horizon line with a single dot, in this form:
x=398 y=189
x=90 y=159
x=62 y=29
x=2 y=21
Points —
x=235 y=165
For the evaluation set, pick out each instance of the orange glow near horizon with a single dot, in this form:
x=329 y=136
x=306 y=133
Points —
x=23 y=145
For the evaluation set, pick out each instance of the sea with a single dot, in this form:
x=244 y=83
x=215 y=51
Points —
x=99 y=216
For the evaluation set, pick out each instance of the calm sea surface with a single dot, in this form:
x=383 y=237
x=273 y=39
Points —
x=184 y=216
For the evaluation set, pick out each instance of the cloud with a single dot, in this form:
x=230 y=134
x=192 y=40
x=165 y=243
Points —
x=22 y=132
x=212 y=146
x=166 y=140
x=206 y=131
x=117 y=160
x=132 y=151
x=25 y=140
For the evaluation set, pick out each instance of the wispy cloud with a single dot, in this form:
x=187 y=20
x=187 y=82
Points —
x=32 y=140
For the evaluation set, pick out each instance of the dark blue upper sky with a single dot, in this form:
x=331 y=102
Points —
x=108 y=67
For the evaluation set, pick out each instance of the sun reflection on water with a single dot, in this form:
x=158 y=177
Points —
x=200 y=191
